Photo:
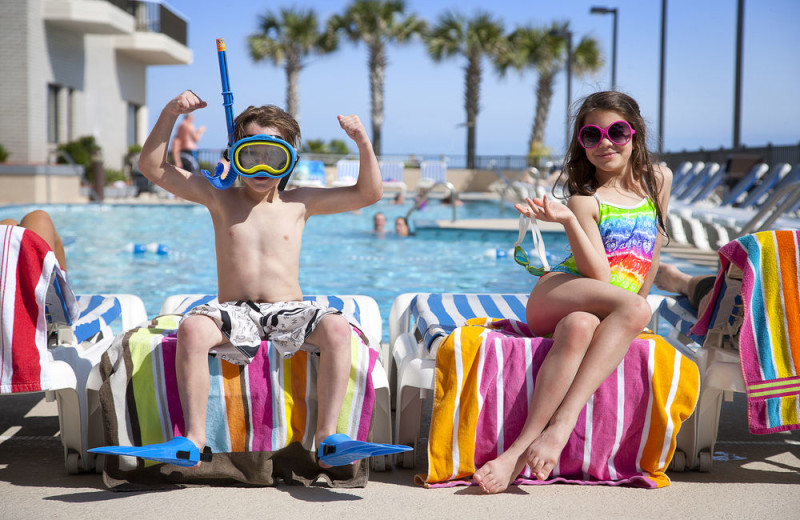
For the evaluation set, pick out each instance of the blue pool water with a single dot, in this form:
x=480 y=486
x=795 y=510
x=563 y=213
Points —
x=340 y=253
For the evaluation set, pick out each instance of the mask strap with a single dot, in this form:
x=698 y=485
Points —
x=538 y=241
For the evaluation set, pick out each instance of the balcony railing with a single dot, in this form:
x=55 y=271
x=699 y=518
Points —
x=156 y=17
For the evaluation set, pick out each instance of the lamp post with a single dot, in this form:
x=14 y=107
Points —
x=568 y=36
x=661 y=76
x=607 y=10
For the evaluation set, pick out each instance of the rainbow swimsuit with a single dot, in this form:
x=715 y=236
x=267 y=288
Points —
x=629 y=236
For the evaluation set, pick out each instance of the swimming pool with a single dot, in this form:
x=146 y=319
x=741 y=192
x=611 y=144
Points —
x=340 y=254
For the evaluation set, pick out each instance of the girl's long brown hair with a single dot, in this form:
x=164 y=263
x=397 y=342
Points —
x=580 y=173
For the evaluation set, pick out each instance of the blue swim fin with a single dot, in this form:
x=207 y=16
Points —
x=339 y=450
x=179 y=451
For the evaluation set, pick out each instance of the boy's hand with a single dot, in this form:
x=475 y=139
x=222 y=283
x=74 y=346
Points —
x=184 y=103
x=353 y=128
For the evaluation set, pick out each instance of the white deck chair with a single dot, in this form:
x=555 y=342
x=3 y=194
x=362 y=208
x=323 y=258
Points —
x=346 y=172
x=364 y=310
x=308 y=174
x=431 y=173
x=392 y=173
x=71 y=334
x=418 y=323
x=717 y=357
x=710 y=227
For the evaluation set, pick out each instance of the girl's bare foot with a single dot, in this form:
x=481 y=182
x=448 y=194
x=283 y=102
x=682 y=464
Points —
x=496 y=475
x=543 y=454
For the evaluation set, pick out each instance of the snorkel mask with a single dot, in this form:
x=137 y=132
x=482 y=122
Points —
x=255 y=156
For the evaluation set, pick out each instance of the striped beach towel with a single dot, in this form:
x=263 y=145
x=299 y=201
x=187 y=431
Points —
x=769 y=338
x=261 y=417
x=626 y=434
x=33 y=291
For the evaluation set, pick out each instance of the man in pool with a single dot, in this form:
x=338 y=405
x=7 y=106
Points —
x=258 y=233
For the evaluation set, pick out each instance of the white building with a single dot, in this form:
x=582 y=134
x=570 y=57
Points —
x=75 y=68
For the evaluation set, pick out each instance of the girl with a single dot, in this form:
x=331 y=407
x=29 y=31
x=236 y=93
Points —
x=593 y=302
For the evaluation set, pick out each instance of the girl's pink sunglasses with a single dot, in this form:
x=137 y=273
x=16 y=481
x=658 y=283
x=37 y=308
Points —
x=618 y=132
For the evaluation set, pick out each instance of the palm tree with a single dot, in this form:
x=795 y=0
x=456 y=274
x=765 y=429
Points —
x=540 y=49
x=472 y=38
x=377 y=23
x=286 y=38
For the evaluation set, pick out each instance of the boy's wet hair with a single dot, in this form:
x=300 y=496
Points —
x=269 y=115
x=580 y=173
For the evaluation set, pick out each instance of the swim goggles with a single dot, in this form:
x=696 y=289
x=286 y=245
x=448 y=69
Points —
x=263 y=156
x=520 y=256
x=618 y=132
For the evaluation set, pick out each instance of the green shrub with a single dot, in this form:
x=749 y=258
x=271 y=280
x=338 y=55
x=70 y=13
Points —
x=81 y=152
x=3 y=154
x=114 y=175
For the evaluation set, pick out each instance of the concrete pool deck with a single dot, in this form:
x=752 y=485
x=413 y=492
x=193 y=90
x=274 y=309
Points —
x=752 y=477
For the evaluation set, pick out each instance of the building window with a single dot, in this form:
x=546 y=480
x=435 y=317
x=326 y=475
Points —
x=133 y=126
x=52 y=113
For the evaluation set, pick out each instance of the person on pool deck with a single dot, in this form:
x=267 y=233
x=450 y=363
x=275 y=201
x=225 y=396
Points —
x=39 y=222
x=258 y=233
x=593 y=302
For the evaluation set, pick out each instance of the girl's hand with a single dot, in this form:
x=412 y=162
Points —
x=546 y=210
x=185 y=103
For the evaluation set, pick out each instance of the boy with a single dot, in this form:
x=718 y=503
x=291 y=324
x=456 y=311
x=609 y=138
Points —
x=258 y=231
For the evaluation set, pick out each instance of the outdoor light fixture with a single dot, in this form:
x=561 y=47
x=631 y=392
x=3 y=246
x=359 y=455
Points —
x=607 y=10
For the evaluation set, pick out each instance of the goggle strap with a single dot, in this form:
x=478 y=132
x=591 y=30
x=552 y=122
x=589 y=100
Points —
x=536 y=235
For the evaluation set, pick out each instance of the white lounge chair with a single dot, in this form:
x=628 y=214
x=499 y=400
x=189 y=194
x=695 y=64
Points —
x=364 y=311
x=418 y=323
x=308 y=174
x=392 y=175
x=431 y=173
x=718 y=351
x=52 y=340
x=346 y=172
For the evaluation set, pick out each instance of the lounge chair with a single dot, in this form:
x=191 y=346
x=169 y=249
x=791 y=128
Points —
x=346 y=172
x=692 y=186
x=392 y=173
x=684 y=175
x=52 y=339
x=361 y=309
x=484 y=389
x=767 y=205
x=308 y=174
x=432 y=173
x=746 y=332
x=417 y=325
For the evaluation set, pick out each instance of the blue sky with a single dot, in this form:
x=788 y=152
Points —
x=424 y=100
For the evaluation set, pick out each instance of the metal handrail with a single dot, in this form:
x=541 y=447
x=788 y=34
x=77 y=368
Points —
x=422 y=197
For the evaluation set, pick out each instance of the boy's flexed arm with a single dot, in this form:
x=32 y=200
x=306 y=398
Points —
x=153 y=159
x=367 y=190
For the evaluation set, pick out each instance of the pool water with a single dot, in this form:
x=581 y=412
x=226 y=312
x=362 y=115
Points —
x=340 y=254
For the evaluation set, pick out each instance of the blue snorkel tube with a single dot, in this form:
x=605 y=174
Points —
x=222 y=179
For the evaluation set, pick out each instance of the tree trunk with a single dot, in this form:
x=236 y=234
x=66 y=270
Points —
x=544 y=96
x=471 y=97
x=377 y=70
x=292 y=81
